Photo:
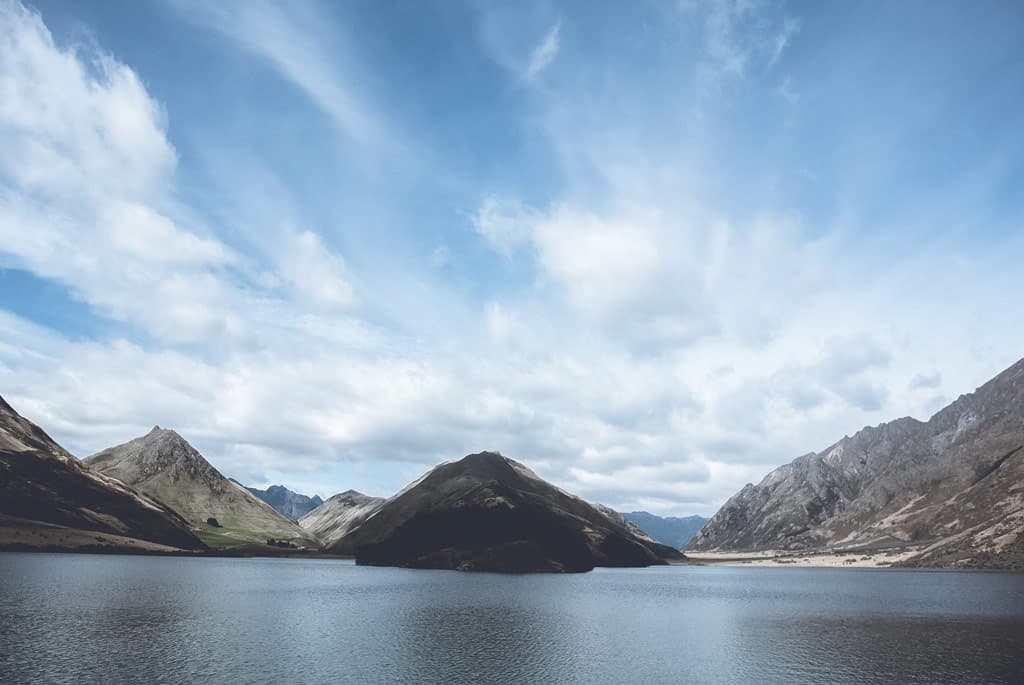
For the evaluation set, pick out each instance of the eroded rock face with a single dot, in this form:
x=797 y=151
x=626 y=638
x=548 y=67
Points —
x=952 y=484
x=41 y=481
x=489 y=513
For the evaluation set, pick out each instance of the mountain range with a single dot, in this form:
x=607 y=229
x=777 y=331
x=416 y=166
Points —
x=673 y=531
x=947 y=492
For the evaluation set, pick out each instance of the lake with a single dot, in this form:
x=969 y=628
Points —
x=94 y=618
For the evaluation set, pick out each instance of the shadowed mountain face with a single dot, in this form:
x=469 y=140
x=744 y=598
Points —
x=285 y=502
x=951 y=486
x=333 y=519
x=489 y=513
x=41 y=483
x=673 y=531
x=163 y=465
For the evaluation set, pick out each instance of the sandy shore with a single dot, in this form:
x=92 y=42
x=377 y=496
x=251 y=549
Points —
x=823 y=559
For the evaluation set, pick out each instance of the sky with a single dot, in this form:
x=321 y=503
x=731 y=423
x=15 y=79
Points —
x=652 y=250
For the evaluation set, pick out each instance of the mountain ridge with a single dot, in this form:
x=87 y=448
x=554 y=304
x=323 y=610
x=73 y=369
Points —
x=288 y=503
x=948 y=487
x=674 y=531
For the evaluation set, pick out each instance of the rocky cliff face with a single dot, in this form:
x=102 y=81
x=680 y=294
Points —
x=341 y=513
x=285 y=502
x=163 y=465
x=489 y=513
x=952 y=486
x=45 y=490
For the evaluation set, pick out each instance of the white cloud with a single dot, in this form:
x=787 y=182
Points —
x=789 y=29
x=83 y=186
x=292 y=42
x=738 y=38
x=665 y=345
x=544 y=54
x=315 y=272
x=506 y=224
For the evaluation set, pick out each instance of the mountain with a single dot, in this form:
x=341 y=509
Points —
x=621 y=520
x=950 y=490
x=48 y=499
x=333 y=519
x=673 y=531
x=163 y=465
x=284 y=501
x=489 y=513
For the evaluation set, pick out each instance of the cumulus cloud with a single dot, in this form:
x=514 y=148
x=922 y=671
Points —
x=83 y=187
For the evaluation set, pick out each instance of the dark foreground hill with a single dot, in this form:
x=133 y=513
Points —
x=489 y=513
x=48 y=499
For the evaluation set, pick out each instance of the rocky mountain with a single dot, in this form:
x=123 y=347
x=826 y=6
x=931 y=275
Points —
x=949 y=490
x=163 y=465
x=48 y=499
x=284 y=501
x=333 y=519
x=673 y=531
x=489 y=513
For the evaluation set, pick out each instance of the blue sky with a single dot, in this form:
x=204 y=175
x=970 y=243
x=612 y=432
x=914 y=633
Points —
x=650 y=249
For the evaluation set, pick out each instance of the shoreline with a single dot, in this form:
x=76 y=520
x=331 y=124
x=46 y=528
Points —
x=839 y=558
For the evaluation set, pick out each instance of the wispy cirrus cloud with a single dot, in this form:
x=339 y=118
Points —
x=544 y=54
x=294 y=43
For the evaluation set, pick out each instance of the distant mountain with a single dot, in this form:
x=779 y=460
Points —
x=333 y=519
x=621 y=520
x=48 y=499
x=163 y=465
x=284 y=501
x=489 y=513
x=948 y=489
x=668 y=530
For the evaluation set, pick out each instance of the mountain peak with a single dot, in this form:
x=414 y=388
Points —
x=488 y=512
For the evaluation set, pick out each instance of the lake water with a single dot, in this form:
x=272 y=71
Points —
x=112 y=619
